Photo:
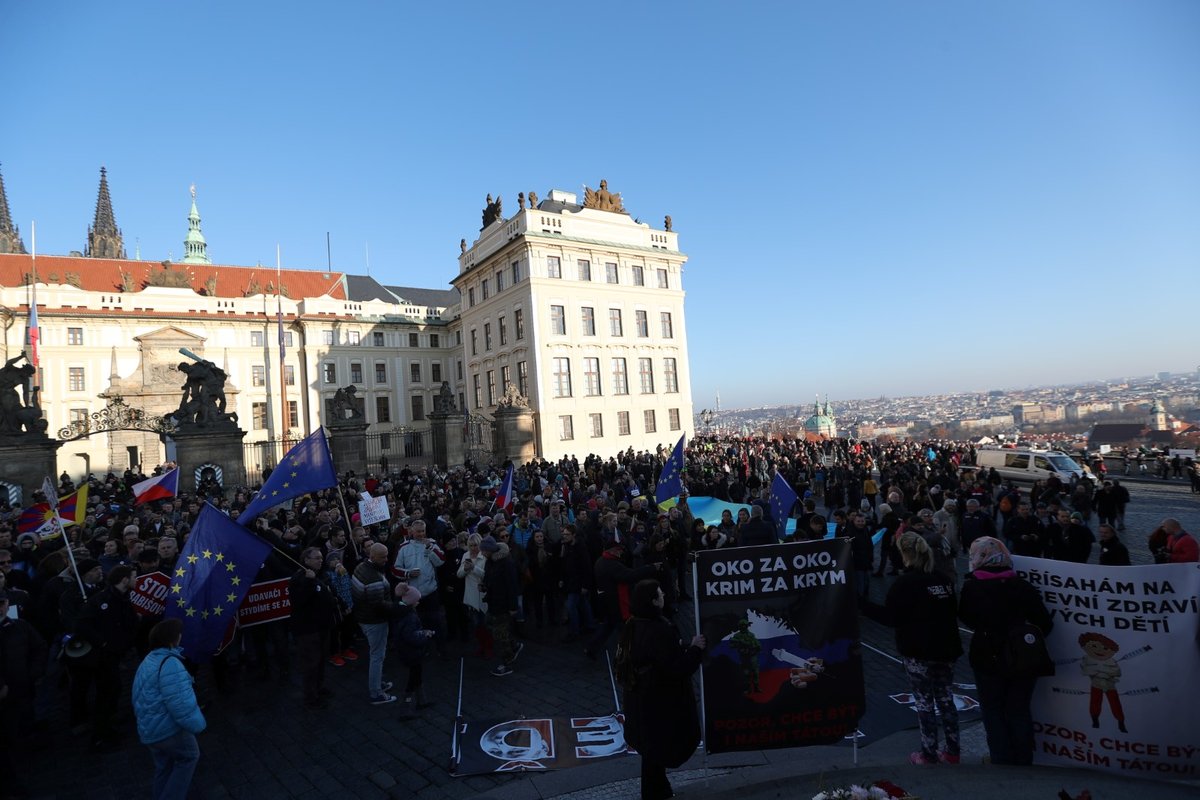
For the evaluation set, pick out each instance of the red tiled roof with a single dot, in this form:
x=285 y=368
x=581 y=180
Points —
x=105 y=275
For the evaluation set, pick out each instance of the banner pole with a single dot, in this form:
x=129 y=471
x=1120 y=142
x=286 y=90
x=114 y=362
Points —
x=613 y=682
x=696 y=615
x=457 y=719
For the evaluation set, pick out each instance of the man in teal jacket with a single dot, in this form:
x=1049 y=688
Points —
x=168 y=716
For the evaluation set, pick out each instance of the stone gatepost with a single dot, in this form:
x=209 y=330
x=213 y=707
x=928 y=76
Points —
x=197 y=447
x=348 y=445
x=513 y=436
x=446 y=431
x=28 y=459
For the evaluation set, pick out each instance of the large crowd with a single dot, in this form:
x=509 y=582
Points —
x=449 y=567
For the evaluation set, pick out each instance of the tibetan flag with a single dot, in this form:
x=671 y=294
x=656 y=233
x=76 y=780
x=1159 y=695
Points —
x=157 y=488
x=72 y=509
x=305 y=468
x=670 y=480
x=39 y=519
x=506 y=494
x=783 y=499
x=211 y=578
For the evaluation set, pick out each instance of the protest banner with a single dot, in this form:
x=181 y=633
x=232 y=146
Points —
x=1125 y=648
x=372 y=510
x=784 y=668
x=148 y=594
x=542 y=743
x=267 y=601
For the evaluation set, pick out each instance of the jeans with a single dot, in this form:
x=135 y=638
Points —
x=377 y=639
x=1007 y=719
x=174 y=762
x=579 y=612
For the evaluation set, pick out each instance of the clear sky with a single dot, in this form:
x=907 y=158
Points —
x=876 y=198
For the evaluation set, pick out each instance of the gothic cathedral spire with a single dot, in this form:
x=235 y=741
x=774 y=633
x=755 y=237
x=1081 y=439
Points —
x=10 y=235
x=104 y=237
x=195 y=249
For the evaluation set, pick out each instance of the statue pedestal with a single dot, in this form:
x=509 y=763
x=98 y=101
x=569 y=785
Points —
x=449 y=449
x=514 y=434
x=26 y=460
x=200 y=448
x=348 y=446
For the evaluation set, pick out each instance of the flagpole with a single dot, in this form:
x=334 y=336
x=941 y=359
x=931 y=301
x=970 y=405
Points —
x=34 y=385
x=285 y=415
x=52 y=500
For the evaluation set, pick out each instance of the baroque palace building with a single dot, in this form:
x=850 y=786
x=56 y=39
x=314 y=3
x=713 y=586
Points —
x=577 y=306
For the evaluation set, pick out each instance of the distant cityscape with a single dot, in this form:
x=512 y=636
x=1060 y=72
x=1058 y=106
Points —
x=1159 y=410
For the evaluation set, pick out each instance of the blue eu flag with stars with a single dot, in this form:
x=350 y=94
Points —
x=783 y=500
x=670 y=481
x=211 y=578
x=306 y=468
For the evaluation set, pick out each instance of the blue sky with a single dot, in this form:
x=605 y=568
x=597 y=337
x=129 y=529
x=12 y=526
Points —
x=876 y=198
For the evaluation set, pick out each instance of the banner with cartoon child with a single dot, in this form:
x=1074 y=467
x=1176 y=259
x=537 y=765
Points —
x=783 y=667
x=1126 y=648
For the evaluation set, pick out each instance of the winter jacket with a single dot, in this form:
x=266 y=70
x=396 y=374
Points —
x=164 y=701
x=500 y=582
x=661 y=721
x=473 y=579
x=22 y=658
x=423 y=555
x=314 y=604
x=109 y=622
x=922 y=608
x=992 y=603
x=410 y=635
x=372 y=595
x=614 y=581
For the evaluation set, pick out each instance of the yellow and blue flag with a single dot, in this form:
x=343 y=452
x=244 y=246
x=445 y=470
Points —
x=783 y=500
x=307 y=467
x=215 y=570
x=670 y=480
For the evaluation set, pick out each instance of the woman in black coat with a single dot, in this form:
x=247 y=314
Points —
x=655 y=669
x=995 y=601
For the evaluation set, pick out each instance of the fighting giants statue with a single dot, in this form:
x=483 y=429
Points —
x=17 y=415
x=345 y=405
x=203 y=400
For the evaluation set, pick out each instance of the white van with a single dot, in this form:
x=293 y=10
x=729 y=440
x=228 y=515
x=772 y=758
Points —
x=1027 y=466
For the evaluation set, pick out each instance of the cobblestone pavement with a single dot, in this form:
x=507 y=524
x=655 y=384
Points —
x=262 y=744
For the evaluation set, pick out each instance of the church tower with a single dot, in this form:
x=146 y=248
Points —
x=195 y=249
x=1158 y=416
x=10 y=235
x=104 y=237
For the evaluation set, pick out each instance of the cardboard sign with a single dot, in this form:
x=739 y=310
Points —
x=265 y=602
x=149 y=594
x=373 y=509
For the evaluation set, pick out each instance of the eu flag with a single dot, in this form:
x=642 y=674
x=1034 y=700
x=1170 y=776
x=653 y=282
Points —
x=670 y=482
x=783 y=500
x=306 y=468
x=211 y=578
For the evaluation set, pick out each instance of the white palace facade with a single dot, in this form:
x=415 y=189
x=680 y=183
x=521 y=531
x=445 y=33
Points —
x=579 y=306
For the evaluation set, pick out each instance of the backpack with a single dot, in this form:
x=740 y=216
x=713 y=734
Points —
x=1023 y=652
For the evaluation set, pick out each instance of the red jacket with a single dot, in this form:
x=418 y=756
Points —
x=1183 y=548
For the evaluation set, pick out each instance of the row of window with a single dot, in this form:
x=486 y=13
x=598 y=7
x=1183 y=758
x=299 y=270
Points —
x=566 y=423
x=612 y=273
x=618 y=377
x=258 y=411
x=505 y=380
x=616 y=324
x=329 y=373
x=485 y=286
x=501 y=331
x=330 y=337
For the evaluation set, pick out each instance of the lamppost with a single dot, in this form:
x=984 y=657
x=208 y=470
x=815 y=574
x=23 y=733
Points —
x=706 y=416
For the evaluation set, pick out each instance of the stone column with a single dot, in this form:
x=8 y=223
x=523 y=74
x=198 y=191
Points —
x=28 y=459
x=197 y=447
x=348 y=446
x=514 y=434
x=449 y=449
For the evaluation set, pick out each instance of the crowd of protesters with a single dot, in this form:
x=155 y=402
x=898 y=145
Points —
x=449 y=568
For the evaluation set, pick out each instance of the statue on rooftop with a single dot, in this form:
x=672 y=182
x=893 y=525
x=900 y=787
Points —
x=602 y=199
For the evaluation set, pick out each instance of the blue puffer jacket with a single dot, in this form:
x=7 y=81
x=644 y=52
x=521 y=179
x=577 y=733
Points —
x=163 y=699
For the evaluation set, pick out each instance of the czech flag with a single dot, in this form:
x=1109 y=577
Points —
x=72 y=509
x=505 y=495
x=157 y=488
